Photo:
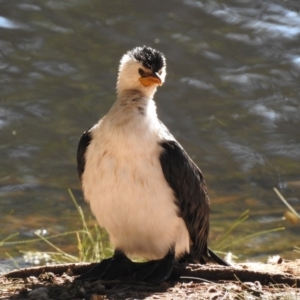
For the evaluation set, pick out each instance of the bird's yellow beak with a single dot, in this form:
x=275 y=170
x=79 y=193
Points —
x=150 y=80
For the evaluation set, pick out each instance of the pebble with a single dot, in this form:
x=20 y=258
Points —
x=39 y=294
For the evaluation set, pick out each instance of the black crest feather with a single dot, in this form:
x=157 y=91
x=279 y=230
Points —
x=148 y=57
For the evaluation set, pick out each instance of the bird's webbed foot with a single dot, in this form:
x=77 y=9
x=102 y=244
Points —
x=156 y=271
x=119 y=265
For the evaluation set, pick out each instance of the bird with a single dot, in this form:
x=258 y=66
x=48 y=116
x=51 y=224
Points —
x=140 y=183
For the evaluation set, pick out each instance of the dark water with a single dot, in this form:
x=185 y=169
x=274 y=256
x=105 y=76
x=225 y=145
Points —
x=232 y=98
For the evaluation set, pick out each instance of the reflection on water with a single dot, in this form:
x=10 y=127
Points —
x=6 y=23
x=231 y=98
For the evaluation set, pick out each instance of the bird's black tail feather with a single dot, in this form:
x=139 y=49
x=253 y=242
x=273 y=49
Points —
x=214 y=257
x=207 y=256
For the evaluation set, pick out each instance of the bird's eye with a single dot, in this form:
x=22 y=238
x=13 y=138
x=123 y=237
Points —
x=142 y=72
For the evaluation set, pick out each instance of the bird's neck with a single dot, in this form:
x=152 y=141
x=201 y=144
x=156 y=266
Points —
x=133 y=106
x=133 y=99
x=124 y=87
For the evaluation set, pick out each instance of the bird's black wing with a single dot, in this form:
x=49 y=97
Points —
x=187 y=182
x=81 y=150
x=190 y=191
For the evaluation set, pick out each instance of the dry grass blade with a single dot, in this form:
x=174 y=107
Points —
x=286 y=203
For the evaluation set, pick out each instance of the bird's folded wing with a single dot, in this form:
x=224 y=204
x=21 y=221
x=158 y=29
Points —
x=190 y=191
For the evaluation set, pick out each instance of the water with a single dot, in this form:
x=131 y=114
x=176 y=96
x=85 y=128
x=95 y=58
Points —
x=231 y=98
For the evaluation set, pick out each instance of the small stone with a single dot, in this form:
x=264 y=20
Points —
x=258 y=285
x=39 y=294
x=212 y=289
x=32 y=280
x=98 y=286
x=275 y=259
x=69 y=272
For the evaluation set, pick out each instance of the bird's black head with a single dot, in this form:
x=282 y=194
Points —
x=149 y=58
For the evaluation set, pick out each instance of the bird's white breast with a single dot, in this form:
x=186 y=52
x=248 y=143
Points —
x=125 y=186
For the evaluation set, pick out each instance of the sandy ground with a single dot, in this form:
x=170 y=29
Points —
x=242 y=281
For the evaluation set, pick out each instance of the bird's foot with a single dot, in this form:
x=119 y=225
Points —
x=119 y=265
x=156 y=271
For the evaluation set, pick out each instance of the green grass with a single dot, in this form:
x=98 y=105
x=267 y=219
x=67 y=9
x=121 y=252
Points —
x=92 y=244
x=225 y=242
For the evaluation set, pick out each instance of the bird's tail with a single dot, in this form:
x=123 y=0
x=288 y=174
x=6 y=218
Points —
x=214 y=257
x=207 y=256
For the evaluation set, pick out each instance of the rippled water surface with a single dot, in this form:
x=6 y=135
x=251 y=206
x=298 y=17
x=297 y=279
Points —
x=232 y=98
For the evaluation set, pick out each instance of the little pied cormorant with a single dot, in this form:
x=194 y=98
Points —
x=142 y=186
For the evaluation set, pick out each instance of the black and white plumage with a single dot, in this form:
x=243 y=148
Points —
x=142 y=186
